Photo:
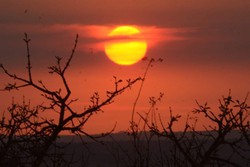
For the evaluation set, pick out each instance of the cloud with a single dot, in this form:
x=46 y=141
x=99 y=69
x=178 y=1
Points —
x=92 y=34
x=196 y=31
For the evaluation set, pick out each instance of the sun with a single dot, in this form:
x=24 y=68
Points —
x=125 y=45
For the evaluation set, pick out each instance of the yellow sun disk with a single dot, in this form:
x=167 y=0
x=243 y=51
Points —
x=126 y=53
x=125 y=45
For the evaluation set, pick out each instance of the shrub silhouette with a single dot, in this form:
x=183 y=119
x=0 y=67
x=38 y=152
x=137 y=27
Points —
x=223 y=142
x=154 y=142
x=26 y=138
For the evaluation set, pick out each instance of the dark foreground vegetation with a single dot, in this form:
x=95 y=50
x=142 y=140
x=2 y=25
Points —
x=29 y=139
x=160 y=152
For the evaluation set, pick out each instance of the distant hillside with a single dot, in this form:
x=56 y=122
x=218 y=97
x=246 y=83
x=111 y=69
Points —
x=123 y=136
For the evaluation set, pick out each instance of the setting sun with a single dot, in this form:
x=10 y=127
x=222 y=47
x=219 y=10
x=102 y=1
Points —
x=125 y=83
x=125 y=46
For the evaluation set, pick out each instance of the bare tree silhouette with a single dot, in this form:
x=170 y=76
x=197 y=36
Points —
x=222 y=142
x=31 y=136
x=29 y=139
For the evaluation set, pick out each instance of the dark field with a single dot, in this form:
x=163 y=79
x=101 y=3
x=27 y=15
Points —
x=121 y=151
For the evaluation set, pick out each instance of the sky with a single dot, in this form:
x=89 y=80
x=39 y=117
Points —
x=205 y=47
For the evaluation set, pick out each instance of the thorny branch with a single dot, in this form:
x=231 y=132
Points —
x=68 y=119
x=199 y=149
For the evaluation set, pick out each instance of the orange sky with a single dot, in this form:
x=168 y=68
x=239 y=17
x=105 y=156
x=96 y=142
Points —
x=204 y=45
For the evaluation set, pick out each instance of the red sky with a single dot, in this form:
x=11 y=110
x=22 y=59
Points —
x=204 y=45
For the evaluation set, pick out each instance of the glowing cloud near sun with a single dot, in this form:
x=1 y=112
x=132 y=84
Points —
x=125 y=45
